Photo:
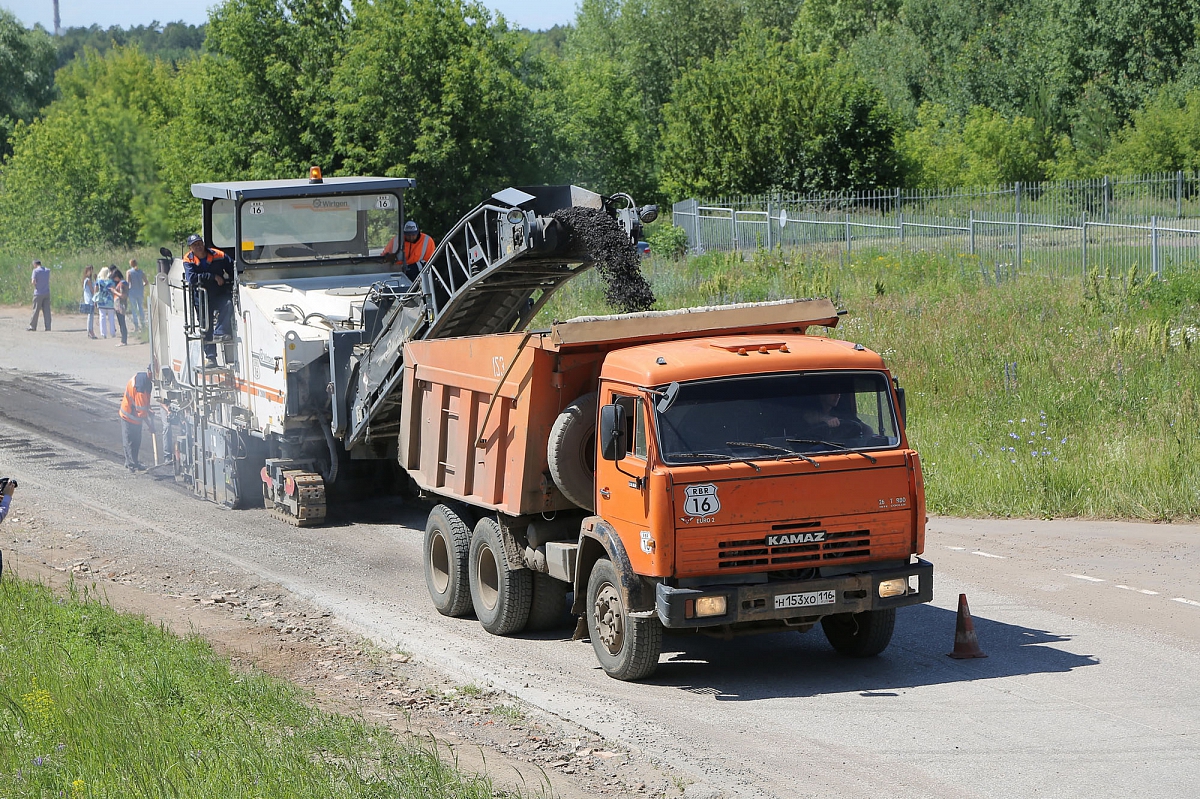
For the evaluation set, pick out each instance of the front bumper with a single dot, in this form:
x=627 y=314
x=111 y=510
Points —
x=854 y=593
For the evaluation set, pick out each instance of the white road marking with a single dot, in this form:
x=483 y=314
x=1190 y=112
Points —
x=957 y=549
x=1145 y=591
x=1186 y=601
x=1085 y=577
x=989 y=555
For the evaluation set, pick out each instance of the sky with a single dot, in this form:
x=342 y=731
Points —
x=532 y=14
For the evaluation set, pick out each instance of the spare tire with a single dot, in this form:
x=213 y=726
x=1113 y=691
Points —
x=571 y=452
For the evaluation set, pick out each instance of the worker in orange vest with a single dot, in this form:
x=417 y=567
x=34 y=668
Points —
x=418 y=249
x=135 y=409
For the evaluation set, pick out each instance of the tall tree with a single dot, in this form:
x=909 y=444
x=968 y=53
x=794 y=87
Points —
x=86 y=171
x=437 y=90
x=767 y=116
x=26 y=74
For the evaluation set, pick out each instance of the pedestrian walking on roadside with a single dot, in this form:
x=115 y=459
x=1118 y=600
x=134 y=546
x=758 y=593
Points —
x=41 y=295
x=104 y=303
x=120 y=302
x=137 y=294
x=88 y=304
x=135 y=411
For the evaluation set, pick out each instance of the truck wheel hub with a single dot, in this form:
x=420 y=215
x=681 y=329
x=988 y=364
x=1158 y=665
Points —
x=609 y=618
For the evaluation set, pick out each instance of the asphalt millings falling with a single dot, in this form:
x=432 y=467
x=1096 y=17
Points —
x=601 y=239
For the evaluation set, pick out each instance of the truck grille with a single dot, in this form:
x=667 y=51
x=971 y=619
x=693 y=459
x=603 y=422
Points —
x=755 y=551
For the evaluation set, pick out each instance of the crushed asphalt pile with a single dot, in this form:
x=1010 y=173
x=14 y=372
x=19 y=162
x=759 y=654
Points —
x=600 y=238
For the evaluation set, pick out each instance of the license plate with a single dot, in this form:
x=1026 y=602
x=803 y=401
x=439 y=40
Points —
x=809 y=600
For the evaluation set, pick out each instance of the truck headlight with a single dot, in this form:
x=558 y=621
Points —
x=897 y=587
x=710 y=606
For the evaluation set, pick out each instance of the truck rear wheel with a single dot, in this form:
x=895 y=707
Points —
x=549 y=608
x=447 y=551
x=860 y=635
x=626 y=646
x=501 y=594
x=571 y=452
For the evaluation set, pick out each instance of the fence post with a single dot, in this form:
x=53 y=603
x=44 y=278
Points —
x=971 y=234
x=1155 y=266
x=733 y=223
x=1083 y=229
x=1179 y=194
x=847 y=234
x=769 y=204
x=1105 y=192
x=900 y=225
x=1019 y=228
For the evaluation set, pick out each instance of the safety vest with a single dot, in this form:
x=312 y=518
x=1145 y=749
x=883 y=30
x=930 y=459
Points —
x=135 y=405
x=419 y=250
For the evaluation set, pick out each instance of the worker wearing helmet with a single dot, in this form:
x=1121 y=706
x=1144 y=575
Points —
x=418 y=249
x=211 y=269
x=135 y=409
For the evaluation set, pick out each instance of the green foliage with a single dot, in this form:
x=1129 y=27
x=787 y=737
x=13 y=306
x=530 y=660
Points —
x=605 y=133
x=982 y=149
x=447 y=105
x=174 y=41
x=1164 y=136
x=768 y=116
x=76 y=172
x=666 y=239
x=102 y=704
x=656 y=40
x=26 y=74
x=834 y=24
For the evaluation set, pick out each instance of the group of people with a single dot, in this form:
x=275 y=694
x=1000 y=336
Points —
x=112 y=295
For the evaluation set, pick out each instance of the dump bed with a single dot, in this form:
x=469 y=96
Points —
x=477 y=410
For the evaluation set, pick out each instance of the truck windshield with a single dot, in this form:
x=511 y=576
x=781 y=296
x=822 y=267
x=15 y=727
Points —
x=317 y=228
x=778 y=416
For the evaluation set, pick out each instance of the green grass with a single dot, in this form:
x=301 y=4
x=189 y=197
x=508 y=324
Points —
x=94 y=703
x=66 y=273
x=1107 y=389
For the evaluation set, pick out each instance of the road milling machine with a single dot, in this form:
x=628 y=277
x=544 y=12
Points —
x=303 y=399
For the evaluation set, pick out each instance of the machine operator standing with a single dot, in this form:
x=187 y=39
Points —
x=211 y=269
x=418 y=249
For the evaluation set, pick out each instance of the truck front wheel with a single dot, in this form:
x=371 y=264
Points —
x=626 y=646
x=446 y=551
x=501 y=594
x=860 y=635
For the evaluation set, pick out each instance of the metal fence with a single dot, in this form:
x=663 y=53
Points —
x=1063 y=229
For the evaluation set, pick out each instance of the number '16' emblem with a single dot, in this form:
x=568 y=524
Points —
x=701 y=500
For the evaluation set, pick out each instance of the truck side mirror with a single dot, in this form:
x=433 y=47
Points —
x=903 y=406
x=613 y=436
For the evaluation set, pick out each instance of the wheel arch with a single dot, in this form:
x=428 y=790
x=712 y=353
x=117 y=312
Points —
x=598 y=539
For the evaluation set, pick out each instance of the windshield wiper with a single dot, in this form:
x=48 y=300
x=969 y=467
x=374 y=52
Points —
x=774 y=448
x=757 y=468
x=842 y=447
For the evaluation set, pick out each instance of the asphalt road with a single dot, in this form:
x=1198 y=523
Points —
x=1092 y=630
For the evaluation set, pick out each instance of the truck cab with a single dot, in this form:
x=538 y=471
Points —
x=758 y=483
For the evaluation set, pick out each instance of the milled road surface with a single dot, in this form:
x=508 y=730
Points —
x=1092 y=630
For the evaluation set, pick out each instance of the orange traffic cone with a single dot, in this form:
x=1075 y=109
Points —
x=966 y=645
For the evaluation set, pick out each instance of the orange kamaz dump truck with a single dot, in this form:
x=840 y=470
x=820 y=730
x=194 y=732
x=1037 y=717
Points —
x=715 y=471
